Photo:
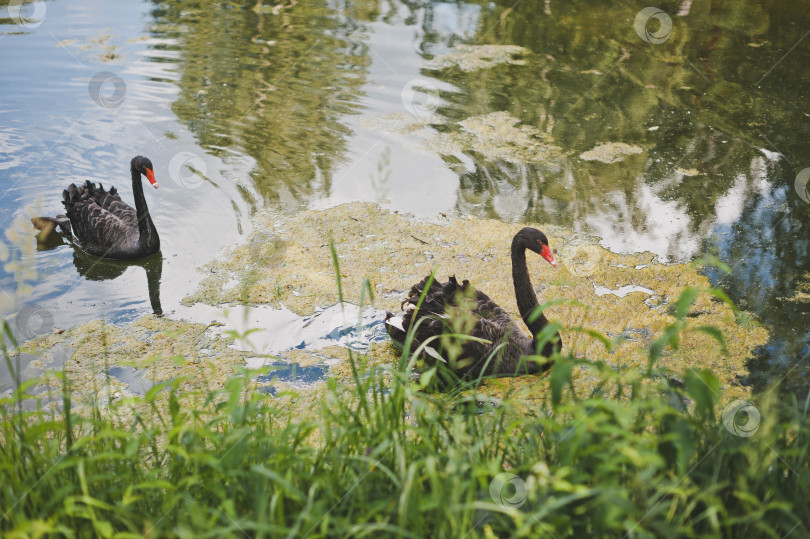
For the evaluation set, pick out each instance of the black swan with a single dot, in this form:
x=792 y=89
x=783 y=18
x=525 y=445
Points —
x=104 y=225
x=449 y=308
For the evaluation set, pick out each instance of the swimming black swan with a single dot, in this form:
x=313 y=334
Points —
x=103 y=224
x=444 y=303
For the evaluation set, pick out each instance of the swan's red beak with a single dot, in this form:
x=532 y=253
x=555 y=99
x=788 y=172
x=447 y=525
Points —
x=150 y=175
x=545 y=252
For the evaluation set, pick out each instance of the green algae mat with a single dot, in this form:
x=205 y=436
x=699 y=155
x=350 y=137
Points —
x=287 y=262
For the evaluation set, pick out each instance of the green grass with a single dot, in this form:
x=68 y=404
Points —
x=636 y=457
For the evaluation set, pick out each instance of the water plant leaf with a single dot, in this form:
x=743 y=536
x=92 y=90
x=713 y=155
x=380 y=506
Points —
x=722 y=296
x=278 y=479
x=336 y=265
x=713 y=261
x=670 y=337
x=559 y=379
x=538 y=311
x=685 y=301
x=704 y=388
x=716 y=333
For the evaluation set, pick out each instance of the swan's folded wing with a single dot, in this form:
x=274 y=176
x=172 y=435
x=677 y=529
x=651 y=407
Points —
x=484 y=353
x=99 y=219
x=501 y=352
x=97 y=228
x=434 y=298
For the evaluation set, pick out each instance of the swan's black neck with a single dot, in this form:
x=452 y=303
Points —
x=524 y=291
x=148 y=234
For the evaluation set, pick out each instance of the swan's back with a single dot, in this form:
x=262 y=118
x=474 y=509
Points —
x=102 y=223
x=450 y=308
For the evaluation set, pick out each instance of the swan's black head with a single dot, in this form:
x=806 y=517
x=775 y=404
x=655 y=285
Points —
x=534 y=240
x=143 y=165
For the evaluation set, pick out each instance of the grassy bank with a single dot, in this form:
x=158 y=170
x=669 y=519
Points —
x=637 y=454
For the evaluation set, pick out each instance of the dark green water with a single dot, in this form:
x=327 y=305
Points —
x=274 y=107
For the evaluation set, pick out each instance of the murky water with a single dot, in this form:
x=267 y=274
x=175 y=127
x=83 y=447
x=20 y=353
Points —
x=302 y=105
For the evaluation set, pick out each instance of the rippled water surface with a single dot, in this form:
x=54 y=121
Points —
x=309 y=104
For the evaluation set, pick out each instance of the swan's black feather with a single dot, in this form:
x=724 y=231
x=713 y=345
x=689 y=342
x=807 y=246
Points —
x=101 y=222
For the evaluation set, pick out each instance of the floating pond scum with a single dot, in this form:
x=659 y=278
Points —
x=497 y=135
x=286 y=267
x=104 y=362
x=393 y=251
x=474 y=57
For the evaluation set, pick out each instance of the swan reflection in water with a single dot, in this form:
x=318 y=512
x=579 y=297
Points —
x=94 y=268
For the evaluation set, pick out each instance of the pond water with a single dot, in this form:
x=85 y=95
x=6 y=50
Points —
x=312 y=103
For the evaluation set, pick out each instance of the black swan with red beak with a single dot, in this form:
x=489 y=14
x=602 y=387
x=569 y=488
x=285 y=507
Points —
x=104 y=225
x=500 y=348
